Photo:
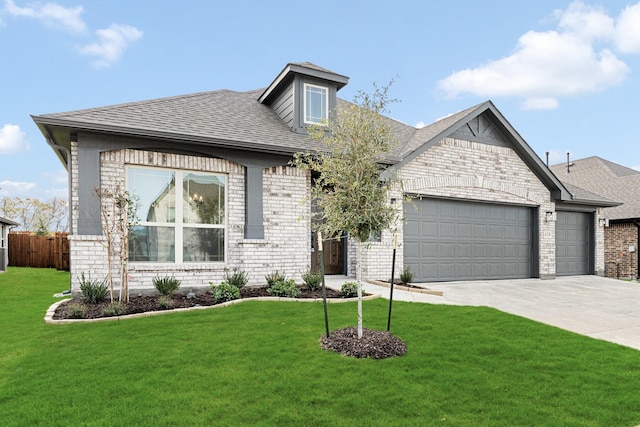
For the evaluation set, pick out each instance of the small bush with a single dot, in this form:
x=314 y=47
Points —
x=238 y=278
x=166 y=285
x=165 y=302
x=93 y=291
x=274 y=277
x=116 y=308
x=225 y=292
x=312 y=279
x=406 y=276
x=285 y=288
x=349 y=290
x=76 y=310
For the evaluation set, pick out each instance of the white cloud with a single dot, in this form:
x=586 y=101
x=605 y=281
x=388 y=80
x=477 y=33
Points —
x=51 y=14
x=546 y=66
x=12 y=139
x=111 y=43
x=557 y=157
x=420 y=125
x=636 y=167
x=16 y=188
x=58 y=177
x=627 y=36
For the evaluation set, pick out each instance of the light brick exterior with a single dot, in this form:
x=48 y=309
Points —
x=460 y=169
x=619 y=261
x=286 y=246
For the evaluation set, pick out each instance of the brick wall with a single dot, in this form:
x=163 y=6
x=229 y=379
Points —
x=462 y=169
x=286 y=218
x=618 y=260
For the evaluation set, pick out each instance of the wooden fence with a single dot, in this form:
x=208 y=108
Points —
x=27 y=250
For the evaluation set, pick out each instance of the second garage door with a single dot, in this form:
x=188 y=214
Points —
x=573 y=243
x=453 y=240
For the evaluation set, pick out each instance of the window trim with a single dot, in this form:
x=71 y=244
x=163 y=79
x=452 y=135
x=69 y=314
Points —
x=304 y=103
x=178 y=223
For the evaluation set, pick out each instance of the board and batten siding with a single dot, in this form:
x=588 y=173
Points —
x=283 y=106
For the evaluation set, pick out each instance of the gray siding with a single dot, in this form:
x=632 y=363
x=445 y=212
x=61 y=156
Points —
x=283 y=106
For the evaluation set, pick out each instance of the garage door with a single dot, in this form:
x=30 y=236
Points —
x=452 y=240
x=573 y=243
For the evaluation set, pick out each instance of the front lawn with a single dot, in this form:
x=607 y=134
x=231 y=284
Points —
x=260 y=363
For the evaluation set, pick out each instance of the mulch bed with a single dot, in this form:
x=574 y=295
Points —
x=373 y=344
x=143 y=304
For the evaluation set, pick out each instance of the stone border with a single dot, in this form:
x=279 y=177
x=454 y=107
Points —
x=48 y=318
x=405 y=288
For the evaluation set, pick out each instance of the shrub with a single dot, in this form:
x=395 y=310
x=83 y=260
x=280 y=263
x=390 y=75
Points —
x=165 y=302
x=312 y=279
x=93 y=291
x=116 y=308
x=225 y=292
x=274 y=277
x=406 y=276
x=285 y=288
x=350 y=290
x=238 y=278
x=76 y=310
x=166 y=285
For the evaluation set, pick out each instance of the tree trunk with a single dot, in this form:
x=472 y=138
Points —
x=358 y=279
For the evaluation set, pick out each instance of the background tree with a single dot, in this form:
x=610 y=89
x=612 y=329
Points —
x=349 y=187
x=35 y=215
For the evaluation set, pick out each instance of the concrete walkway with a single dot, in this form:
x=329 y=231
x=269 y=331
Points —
x=597 y=307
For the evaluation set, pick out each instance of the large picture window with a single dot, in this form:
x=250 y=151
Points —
x=315 y=103
x=181 y=216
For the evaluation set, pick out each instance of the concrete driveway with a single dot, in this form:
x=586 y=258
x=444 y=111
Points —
x=597 y=307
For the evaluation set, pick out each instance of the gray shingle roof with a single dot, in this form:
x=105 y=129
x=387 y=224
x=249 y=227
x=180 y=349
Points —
x=607 y=179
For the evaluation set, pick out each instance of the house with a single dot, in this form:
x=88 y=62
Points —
x=622 y=230
x=5 y=226
x=216 y=190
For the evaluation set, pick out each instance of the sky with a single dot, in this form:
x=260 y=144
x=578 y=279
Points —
x=565 y=74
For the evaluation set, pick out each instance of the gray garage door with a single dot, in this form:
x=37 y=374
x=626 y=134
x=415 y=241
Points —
x=452 y=240
x=573 y=243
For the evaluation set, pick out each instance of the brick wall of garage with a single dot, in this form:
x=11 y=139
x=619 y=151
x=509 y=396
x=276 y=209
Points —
x=460 y=169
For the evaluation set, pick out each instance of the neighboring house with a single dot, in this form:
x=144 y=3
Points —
x=217 y=191
x=5 y=225
x=622 y=233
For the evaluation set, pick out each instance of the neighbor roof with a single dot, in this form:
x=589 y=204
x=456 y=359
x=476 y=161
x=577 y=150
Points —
x=7 y=221
x=607 y=179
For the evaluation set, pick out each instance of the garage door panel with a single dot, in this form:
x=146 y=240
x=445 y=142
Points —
x=573 y=243
x=473 y=240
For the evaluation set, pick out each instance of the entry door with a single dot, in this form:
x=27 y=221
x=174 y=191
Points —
x=333 y=251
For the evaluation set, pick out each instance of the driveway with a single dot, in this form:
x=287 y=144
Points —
x=597 y=307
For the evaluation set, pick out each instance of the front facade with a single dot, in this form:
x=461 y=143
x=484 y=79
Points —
x=216 y=192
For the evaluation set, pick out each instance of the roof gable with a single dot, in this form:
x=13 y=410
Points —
x=483 y=123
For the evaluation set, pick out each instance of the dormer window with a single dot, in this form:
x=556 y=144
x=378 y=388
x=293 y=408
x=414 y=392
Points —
x=315 y=103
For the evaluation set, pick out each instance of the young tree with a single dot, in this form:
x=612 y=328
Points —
x=351 y=193
x=35 y=215
x=119 y=214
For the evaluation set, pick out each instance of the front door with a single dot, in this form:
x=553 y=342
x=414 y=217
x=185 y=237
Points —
x=333 y=255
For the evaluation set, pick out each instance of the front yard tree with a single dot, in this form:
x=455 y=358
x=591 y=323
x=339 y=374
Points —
x=349 y=187
x=119 y=215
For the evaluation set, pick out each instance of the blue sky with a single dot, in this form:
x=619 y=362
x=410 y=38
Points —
x=565 y=74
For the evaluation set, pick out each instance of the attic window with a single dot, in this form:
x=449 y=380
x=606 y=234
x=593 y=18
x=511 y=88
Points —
x=315 y=104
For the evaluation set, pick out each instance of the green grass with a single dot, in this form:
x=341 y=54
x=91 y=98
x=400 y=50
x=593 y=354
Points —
x=260 y=363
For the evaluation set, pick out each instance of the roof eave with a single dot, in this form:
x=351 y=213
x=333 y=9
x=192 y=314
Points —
x=168 y=136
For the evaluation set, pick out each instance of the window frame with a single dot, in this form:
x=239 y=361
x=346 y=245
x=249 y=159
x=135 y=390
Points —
x=325 y=91
x=178 y=225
